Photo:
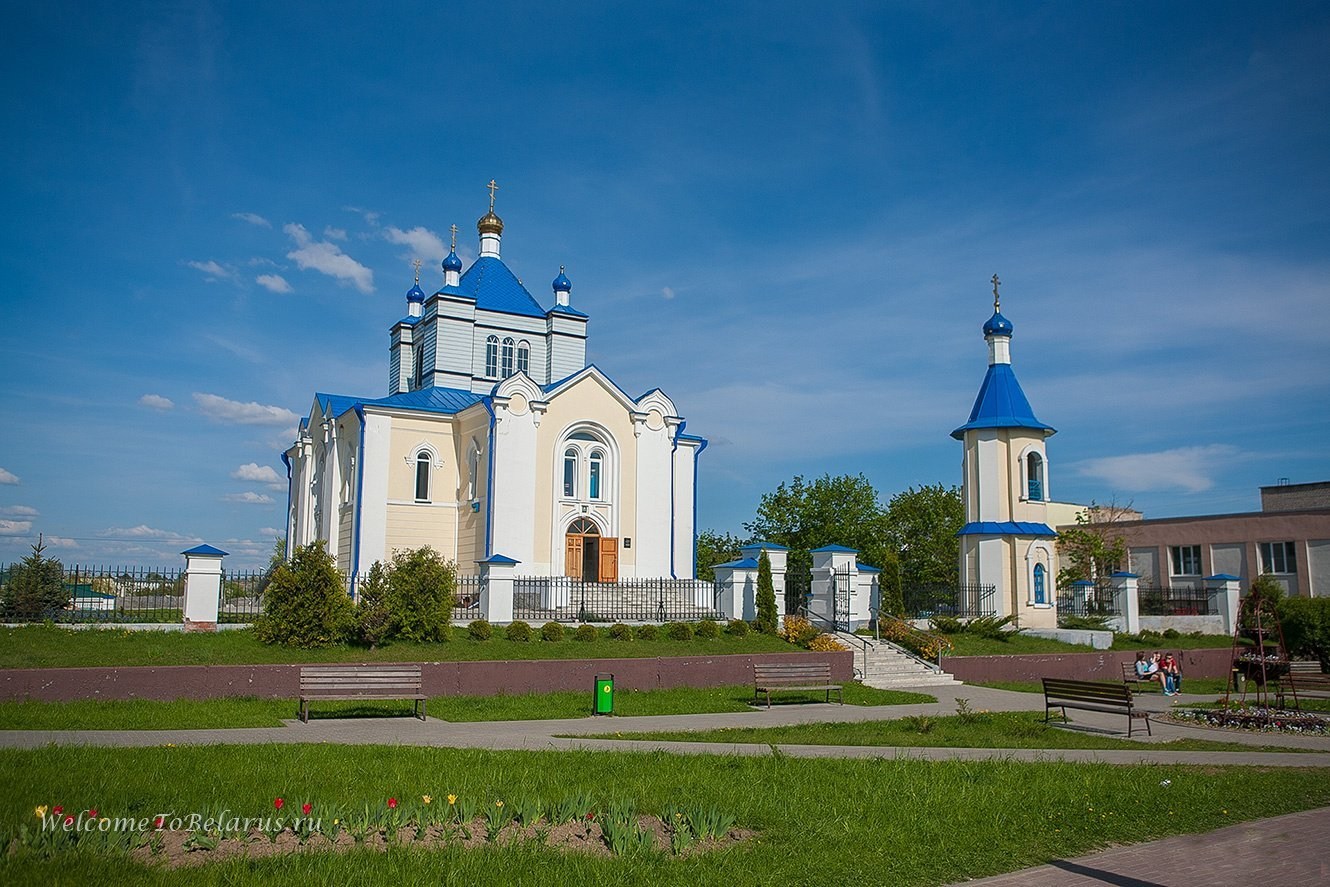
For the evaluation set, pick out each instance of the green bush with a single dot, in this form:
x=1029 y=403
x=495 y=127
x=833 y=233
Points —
x=737 y=628
x=990 y=627
x=708 y=629
x=766 y=596
x=375 y=620
x=551 y=631
x=517 y=631
x=586 y=633
x=679 y=631
x=620 y=632
x=304 y=604
x=1306 y=624
x=1084 y=623
x=480 y=630
x=421 y=585
x=946 y=625
x=35 y=589
x=1171 y=633
x=647 y=632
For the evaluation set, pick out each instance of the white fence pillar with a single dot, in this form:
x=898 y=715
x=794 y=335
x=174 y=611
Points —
x=829 y=562
x=1128 y=599
x=736 y=584
x=203 y=587
x=1223 y=587
x=778 y=555
x=496 y=589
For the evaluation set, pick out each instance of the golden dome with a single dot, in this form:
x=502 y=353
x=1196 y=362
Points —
x=490 y=224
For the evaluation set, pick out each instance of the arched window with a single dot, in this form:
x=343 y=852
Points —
x=570 y=473
x=1040 y=592
x=422 y=476
x=492 y=356
x=417 y=366
x=1034 y=474
x=583 y=527
x=593 y=477
x=473 y=473
x=524 y=357
x=507 y=357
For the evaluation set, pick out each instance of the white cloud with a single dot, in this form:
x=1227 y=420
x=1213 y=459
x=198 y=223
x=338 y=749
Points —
x=1189 y=469
x=334 y=233
x=424 y=243
x=143 y=531
x=327 y=258
x=213 y=270
x=156 y=401
x=7 y=477
x=253 y=219
x=249 y=497
x=15 y=527
x=251 y=413
x=258 y=473
x=271 y=532
x=19 y=511
x=273 y=282
x=667 y=292
x=59 y=542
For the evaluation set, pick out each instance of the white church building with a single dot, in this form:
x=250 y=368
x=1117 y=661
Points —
x=497 y=441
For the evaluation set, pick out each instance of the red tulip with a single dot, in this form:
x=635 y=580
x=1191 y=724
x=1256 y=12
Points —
x=306 y=808
x=392 y=803
x=69 y=820
x=57 y=810
x=92 y=812
x=278 y=802
x=159 y=822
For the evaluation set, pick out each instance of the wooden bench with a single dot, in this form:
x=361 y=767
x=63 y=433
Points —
x=360 y=682
x=769 y=676
x=1130 y=677
x=1304 y=678
x=1091 y=696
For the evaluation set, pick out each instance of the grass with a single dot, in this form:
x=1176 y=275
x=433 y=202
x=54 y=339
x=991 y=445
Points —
x=47 y=646
x=966 y=644
x=896 y=822
x=978 y=730
x=190 y=714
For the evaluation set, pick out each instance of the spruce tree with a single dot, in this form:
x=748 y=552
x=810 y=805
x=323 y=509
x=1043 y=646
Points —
x=766 y=596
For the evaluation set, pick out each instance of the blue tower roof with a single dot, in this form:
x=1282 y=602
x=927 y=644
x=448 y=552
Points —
x=997 y=325
x=561 y=283
x=415 y=294
x=1001 y=404
x=452 y=263
x=495 y=288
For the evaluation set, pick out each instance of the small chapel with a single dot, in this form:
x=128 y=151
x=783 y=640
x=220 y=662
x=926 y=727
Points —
x=497 y=441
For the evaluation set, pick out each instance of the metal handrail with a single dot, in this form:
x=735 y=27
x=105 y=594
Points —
x=835 y=629
x=923 y=638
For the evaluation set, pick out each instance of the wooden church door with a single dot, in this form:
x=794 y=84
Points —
x=609 y=561
x=572 y=558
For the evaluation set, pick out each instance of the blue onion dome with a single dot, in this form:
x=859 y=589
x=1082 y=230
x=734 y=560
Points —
x=997 y=325
x=415 y=294
x=561 y=283
x=452 y=263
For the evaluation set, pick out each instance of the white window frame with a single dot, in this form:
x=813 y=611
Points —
x=425 y=458
x=1279 y=557
x=1178 y=557
x=506 y=354
x=492 y=357
x=524 y=357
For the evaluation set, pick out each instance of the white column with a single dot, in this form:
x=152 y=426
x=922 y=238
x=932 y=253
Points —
x=737 y=585
x=496 y=591
x=1124 y=591
x=203 y=587
x=1224 y=587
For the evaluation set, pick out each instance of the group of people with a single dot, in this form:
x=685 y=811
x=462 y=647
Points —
x=1161 y=667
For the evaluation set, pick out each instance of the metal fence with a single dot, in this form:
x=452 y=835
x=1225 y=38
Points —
x=466 y=599
x=561 y=599
x=242 y=595
x=957 y=601
x=1090 y=602
x=1175 y=600
x=106 y=594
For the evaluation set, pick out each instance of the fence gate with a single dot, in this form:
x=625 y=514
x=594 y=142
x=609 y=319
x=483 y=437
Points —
x=841 y=598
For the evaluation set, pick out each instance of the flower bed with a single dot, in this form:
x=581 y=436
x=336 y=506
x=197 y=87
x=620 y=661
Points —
x=1254 y=718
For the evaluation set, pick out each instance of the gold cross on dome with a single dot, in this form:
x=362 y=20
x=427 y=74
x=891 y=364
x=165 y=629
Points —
x=415 y=263
x=996 y=299
x=453 y=228
x=493 y=186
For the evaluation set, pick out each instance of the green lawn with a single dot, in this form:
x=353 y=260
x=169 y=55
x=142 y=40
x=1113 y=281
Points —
x=972 y=645
x=818 y=821
x=190 y=714
x=991 y=730
x=43 y=646
x=1181 y=642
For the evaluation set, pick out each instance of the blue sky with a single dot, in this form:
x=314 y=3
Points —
x=783 y=215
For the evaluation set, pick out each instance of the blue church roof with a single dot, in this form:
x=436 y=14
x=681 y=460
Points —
x=1001 y=404
x=446 y=401
x=997 y=325
x=1005 y=528
x=495 y=288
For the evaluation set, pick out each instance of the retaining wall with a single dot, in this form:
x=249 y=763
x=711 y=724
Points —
x=1212 y=662
x=487 y=678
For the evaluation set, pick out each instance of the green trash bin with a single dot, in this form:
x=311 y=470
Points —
x=604 y=701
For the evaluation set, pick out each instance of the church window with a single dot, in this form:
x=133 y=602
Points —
x=593 y=483
x=1034 y=474
x=418 y=366
x=1040 y=591
x=570 y=473
x=422 y=476
x=473 y=473
x=492 y=356
x=1186 y=560
x=507 y=358
x=524 y=358
x=1278 y=557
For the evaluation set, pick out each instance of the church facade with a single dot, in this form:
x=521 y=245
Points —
x=497 y=440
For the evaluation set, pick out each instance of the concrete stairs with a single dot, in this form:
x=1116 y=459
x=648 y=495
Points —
x=884 y=667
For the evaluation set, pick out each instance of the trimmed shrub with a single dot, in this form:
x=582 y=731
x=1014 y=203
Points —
x=647 y=632
x=946 y=625
x=990 y=627
x=421 y=585
x=679 y=631
x=798 y=630
x=1306 y=623
x=586 y=633
x=375 y=620
x=304 y=604
x=480 y=630
x=738 y=628
x=35 y=589
x=766 y=596
x=825 y=643
x=620 y=632
x=517 y=631
x=551 y=631
x=708 y=629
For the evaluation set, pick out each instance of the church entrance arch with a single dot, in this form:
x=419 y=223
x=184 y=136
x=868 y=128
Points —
x=588 y=555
